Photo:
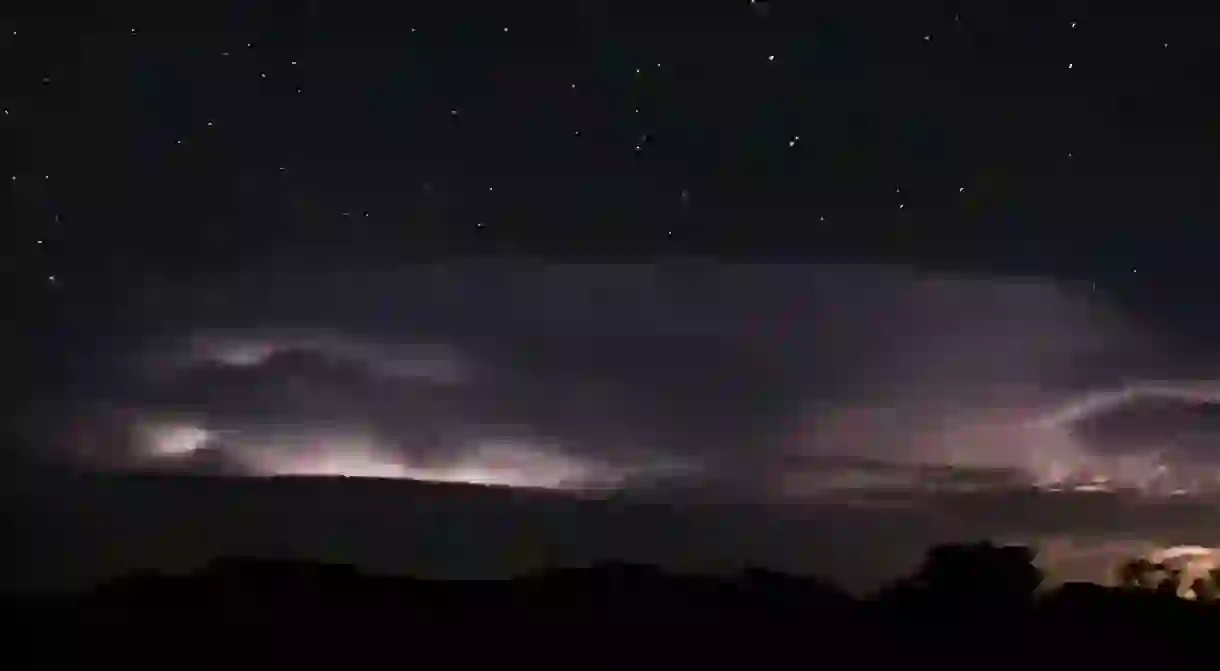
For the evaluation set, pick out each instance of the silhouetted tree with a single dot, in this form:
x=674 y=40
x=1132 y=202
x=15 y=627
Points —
x=984 y=593
x=1204 y=589
x=1170 y=584
x=969 y=577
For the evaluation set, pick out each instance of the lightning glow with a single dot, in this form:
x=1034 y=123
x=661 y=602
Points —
x=1147 y=471
x=174 y=440
x=488 y=462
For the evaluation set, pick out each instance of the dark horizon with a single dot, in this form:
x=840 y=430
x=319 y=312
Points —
x=119 y=523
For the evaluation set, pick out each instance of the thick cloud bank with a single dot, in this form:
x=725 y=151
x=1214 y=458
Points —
x=775 y=382
x=296 y=403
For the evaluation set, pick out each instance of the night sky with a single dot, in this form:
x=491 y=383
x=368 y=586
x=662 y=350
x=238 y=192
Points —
x=765 y=252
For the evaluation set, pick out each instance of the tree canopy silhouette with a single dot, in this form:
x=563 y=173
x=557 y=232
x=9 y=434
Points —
x=990 y=591
x=972 y=577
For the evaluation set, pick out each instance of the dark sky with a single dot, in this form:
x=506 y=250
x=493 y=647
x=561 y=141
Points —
x=609 y=244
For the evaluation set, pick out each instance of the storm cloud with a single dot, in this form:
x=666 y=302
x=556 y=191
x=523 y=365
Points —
x=737 y=377
x=861 y=402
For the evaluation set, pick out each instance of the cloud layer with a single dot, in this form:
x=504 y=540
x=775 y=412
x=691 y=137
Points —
x=781 y=382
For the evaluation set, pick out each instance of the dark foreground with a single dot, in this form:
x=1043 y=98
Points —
x=967 y=605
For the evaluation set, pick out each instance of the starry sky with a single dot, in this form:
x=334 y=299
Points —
x=752 y=252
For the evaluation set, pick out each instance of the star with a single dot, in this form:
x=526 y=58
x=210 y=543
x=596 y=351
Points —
x=1073 y=24
x=961 y=189
x=927 y=38
x=292 y=62
x=770 y=58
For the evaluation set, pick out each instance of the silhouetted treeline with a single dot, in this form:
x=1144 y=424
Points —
x=963 y=601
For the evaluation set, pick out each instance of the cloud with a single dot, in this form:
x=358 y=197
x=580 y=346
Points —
x=741 y=377
x=1182 y=417
x=879 y=410
x=294 y=403
x=320 y=349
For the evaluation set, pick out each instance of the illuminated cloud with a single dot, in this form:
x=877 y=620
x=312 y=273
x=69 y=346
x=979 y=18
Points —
x=272 y=453
x=1098 y=402
x=744 y=374
x=329 y=453
x=255 y=348
x=298 y=403
x=888 y=408
x=1155 y=436
x=174 y=440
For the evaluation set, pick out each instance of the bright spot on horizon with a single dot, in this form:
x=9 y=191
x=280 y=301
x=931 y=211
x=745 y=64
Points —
x=175 y=440
x=500 y=463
